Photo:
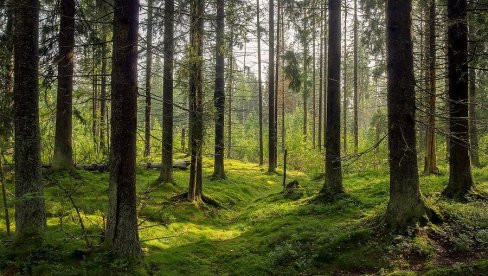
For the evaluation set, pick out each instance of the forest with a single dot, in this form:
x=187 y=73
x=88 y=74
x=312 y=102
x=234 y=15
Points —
x=244 y=137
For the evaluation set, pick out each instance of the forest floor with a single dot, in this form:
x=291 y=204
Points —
x=258 y=230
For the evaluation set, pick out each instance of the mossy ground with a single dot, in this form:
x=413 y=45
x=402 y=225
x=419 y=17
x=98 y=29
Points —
x=259 y=230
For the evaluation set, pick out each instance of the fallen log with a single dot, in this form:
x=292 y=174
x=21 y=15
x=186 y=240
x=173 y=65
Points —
x=104 y=167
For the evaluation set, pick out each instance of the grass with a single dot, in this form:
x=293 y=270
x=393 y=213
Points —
x=259 y=230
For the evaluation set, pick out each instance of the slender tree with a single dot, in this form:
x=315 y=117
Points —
x=63 y=148
x=460 y=179
x=121 y=233
x=430 y=165
x=260 y=87
x=103 y=97
x=30 y=214
x=344 y=87
x=473 y=120
x=196 y=98
x=166 y=174
x=271 y=93
x=333 y=169
x=219 y=94
x=321 y=75
x=356 y=88
x=406 y=205
x=149 y=59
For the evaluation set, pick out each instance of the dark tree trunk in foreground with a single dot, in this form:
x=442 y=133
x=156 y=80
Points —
x=166 y=174
x=219 y=95
x=30 y=215
x=121 y=232
x=196 y=98
x=430 y=166
x=406 y=205
x=272 y=139
x=147 y=114
x=333 y=169
x=63 y=149
x=460 y=180
x=260 y=89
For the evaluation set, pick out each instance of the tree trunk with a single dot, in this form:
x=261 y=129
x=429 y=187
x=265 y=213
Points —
x=147 y=114
x=30 y=214
x=333 y=169
x=344 y=102
x=356 y=92
x=460 y=179
x=95 y=132
x=305 y=75
x=430 y=166
x=321 y=76
x=219 y=94
x=406 y=205
x=166 y=174
x=230 y=91
x=63 y=149
x=121 y=231
x=277 y=72
x=260 y=88
x=103 y=98
x=196 y=99
x=473 y=131
x=314 y=83
x=271 y=95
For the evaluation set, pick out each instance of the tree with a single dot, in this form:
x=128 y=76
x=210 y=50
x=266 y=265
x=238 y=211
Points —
x=460 y=179
x=406 y=205
x=430 y=165
x=333 y=169
x=30 y=214
x=345 y=99
x=166 y=174
x=63 y=148
x=356 y=92
x=121 y=233
x=260 y=88
x=272 y=139
x=196 y=98
x=147 y=117
x=219 y=94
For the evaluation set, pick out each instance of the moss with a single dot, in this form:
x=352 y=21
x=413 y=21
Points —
x=257 y=231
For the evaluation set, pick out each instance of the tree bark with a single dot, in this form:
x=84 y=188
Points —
x=460 y=179
x=219 y=94
x=63 y=148
x=356 y=88
x=230 y=89
x=121 y=231
x=166 y=174
x=406 y=205
x=147 y=114
x=30 y=214
x=271 y=94
x=333 y=169
x=473 y=131
x=196 y=99
x=260 y=88
x=430 y=166
x=344 y=101
x=321 y=76
x=103 y=98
